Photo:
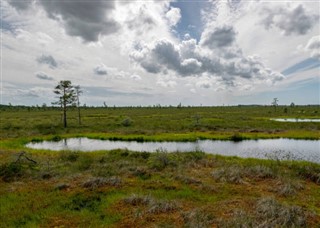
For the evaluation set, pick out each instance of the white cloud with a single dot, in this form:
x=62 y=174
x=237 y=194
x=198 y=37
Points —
x=143 y=49
x=173 y=16
x=313 y=46
x=204 y=84
x=101 y=69
x=163 y=56
x=167 y=84
x=289 y=20
x=135 y=77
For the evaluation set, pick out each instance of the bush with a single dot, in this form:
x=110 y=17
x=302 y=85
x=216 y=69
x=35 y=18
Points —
x=160 y=160
x=80 y=202
x=11 y=171
x=236 y=137
x=127 y=122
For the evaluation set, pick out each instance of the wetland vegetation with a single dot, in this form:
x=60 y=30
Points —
x=123 y=188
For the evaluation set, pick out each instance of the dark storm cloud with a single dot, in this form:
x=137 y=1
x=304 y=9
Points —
x=290 y=21
x=85 y=19
x=218 y=37
x=47 y=60
x=20 y=4
x=43 y=76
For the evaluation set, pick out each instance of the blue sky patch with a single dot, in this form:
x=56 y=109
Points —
x=304 y=65
x=190 y=21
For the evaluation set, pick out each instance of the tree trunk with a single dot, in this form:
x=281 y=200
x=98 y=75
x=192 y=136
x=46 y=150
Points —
x=64 y=115
x=79 y=116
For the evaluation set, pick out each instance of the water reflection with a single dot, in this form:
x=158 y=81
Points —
x=266 y=148
x=295 y=120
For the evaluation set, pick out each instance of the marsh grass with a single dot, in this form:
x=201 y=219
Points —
x=198 y=218
x=153 y=206
x=268 y=213
x=239 y=173
x=97 y=182
x=238 y=122
x=132 y=188
x=288 y=187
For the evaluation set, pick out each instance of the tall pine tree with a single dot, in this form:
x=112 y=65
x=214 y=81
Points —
x=66 y=97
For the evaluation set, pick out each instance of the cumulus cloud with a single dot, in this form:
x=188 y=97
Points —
x=218 y=37
x=190 y=59
x=289 y=20
x=313 y=46
x=43 y=76
x=173 y=16
x=100 y=70
x=47 y=60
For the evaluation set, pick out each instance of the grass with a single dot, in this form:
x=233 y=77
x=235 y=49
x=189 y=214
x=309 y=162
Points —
x=121 y=188
x=135 y=192
x=162 y=123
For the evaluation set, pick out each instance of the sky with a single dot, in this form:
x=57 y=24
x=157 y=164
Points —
x=151 y=52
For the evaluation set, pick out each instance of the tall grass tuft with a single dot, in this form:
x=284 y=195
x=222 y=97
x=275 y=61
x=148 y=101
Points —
x=198 y=218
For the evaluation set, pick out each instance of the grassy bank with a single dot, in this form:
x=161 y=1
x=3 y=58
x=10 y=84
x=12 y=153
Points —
x=124 y=189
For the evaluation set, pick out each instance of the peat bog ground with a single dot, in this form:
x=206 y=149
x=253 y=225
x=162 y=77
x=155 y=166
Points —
x=122 y=188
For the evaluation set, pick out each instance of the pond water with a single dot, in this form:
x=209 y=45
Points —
x=263 y=148
x=295 y=120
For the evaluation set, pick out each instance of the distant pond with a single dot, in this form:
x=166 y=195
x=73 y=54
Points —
x=295 y=120
x=263 y=148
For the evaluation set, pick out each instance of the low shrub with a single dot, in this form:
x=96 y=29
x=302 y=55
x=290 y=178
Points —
x=127 y=122
x=268 y=213
x=160 y=160
x=197 y=218
x=11 y=171
x=153 y=206
x=96 y=182
x=80 y=202
x=231 y=174
x=163 y=206
x=272 y=213
x=137 y=200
